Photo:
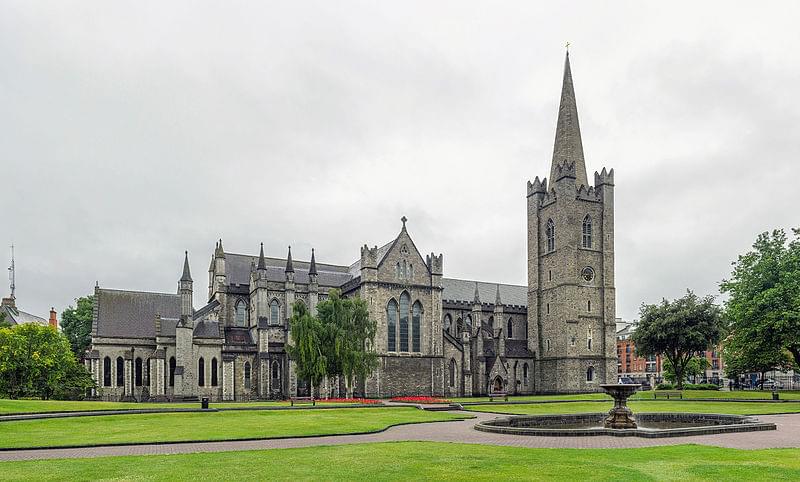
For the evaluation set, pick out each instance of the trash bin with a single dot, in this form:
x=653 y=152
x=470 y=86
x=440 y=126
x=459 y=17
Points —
x=775 y=395
x=204 y=403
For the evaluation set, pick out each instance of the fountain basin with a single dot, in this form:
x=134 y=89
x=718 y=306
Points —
x=650 y=425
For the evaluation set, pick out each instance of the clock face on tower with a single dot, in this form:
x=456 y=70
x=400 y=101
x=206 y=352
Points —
x=587 y=274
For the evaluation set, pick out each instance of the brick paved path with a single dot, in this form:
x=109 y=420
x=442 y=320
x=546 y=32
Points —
x=787 y=435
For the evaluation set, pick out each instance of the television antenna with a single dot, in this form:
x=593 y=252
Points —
x=12 y=274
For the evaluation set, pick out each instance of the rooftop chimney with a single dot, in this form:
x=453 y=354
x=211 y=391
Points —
x=53 y=321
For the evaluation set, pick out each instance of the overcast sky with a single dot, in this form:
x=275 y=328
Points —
x=131 y=131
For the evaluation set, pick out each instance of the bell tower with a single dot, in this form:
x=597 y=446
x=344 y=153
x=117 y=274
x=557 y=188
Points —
x=571 y=297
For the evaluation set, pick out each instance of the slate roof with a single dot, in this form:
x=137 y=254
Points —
x=355 y=268
x=518 y=349
x=19 y=317
x=131 y=314
x=206 y=329
x=237 y=270
x=464 y=291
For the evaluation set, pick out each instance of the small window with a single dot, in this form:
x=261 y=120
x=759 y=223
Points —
x=525 y=373
x=106 y=372
x=550 y=233
x=410 y=271
x=214 y=375
x=550 y=275
x=468 y=321
x=572 y=341
x=587 y=232
x=548 y=345
x=590 y=374
x=548 y=308
x=447 y=322
x=120 y=371
x=138 y=372
x=247 y=381
x=276 y=371
x=201 y=372
x=589 y=344
x=397 y=270
x=452 y=373
x=172 y=371
x=589 y=305
x=241 y=313
x=274 y=313
x=510 y=330
x=491 y=321
x=459 y=325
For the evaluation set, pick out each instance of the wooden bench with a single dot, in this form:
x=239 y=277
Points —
x=667 y=394
x=503 y=395
x=300 y=400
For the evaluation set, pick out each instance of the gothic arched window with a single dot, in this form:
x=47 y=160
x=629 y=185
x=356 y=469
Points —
x=452 y=373
x=459 y=325
x=550 y=233
x=241 y=313
x=274 y=313
x=201 y=372
x=247 y=381
x=468 y=321
x=405 y=301
x=391 y=325
x=138 y=372
x=214 y=376
x=120 y=371
x=106 y=372
x=587 y=232
x=448 y=321
x=590 y=374
x=491 y=321
x=525 y=373
x=397 y=270
x=172 y=371
x=510 y=330
x=276 y=371
x=416 y=315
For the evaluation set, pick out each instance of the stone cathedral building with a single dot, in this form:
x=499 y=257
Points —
x=436 y=335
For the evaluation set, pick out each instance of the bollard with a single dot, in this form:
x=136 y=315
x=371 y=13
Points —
x=204 y=403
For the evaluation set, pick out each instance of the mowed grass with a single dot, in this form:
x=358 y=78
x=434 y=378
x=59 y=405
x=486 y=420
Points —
x=171 y=427
x=647 y=395
x=733 y=408
x=427 y=461
x=45 y=406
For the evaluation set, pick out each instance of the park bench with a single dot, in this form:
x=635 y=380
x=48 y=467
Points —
x=668 y=394
x=300 y=400
x=503 y=395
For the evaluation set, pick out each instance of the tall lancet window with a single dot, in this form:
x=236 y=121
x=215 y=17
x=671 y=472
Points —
x=550 y=233
x=391 y=325
x=241 y=313
x=587 y=232
x=405 y=301
x=416 y=336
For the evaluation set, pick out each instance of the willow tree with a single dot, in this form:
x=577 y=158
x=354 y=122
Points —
x=306 y=349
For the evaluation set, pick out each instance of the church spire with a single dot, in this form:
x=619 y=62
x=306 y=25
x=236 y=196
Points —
x=289 y=267
x=187 y=276
x=568 y=146
x=262 y=264
x=313 y=268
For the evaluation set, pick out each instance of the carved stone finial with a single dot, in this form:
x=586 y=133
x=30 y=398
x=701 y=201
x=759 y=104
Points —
x=404 y=219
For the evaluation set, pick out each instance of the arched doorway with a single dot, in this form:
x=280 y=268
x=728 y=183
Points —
x=497 y=384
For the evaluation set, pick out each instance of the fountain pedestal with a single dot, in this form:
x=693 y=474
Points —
x=620 y=416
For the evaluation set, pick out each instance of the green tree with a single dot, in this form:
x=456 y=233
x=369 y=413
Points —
x=36 y=361
x=307 y=345
x=677 y=330
x=76 y=324
x=764 y=302
x=349 y=338
x=3 y=322
x=753 y=353
x=696 y=366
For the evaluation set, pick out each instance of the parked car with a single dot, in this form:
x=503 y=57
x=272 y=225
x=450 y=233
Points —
x=770 y=384
x=627 y=381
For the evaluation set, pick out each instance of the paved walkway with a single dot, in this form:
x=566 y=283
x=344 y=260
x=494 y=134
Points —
x=787 y=435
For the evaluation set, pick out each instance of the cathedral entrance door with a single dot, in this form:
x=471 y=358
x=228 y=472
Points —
x=497 y=387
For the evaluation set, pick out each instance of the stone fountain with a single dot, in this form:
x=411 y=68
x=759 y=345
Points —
x=620 y=416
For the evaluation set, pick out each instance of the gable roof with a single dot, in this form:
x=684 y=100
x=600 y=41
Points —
x=460 y=290
x=131 y=314
x=238 y=268
x=19 y=317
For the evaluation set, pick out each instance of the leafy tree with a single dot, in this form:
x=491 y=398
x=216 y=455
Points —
x=37 y=361
x=764 y=303
x=307 y=345
x=696 y=366
x=76 y=324
x=3 y=322
x=677 y=330
x=752 y=353
x=349 y=338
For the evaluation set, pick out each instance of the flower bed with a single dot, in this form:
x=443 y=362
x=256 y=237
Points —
x=367 y=401
x=420 y=400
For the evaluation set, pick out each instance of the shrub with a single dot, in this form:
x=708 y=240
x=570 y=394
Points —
x=701 y=386
x=665 y=386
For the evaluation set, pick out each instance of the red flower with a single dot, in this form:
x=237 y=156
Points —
x=351 y=400
x=420 y=399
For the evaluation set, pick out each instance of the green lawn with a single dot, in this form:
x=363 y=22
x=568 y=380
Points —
x=428 y=461
x=734 y=408
x=748 y=395
x=207 y=426
x=40 y=406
